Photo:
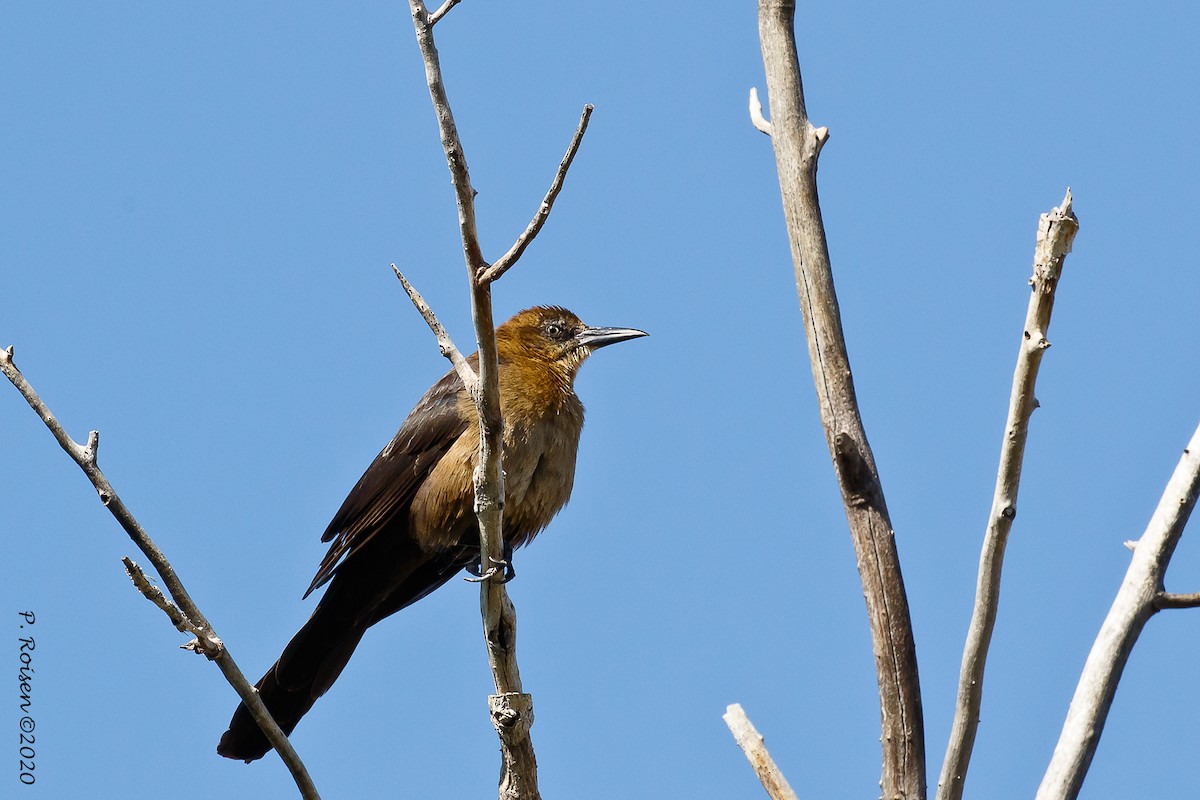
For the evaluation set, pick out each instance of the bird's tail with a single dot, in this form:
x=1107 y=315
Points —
x=309 y=665
x=364 y=591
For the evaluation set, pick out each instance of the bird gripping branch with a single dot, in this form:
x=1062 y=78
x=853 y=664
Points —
x=408 y=525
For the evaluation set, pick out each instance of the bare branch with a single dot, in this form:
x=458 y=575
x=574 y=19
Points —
x=756 y=113
x=460 y=176
x=206 y=642
x=751 y=742
x=85 y=457
x=797 y=144
x=505 y=261
x=512 y=712
x=152 y=593
x=436 y=16
x=445 y=343
x=1168 y=600
x=1056 y=232
x=1136 y=601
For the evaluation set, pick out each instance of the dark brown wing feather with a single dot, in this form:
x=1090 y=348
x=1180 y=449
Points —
x=388 y=486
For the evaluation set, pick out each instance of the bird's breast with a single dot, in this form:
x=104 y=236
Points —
x=539 y=472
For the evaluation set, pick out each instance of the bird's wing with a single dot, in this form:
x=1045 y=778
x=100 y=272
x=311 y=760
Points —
x=388 y=486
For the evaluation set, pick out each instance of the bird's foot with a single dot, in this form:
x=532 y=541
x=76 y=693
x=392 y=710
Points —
x=479 y=575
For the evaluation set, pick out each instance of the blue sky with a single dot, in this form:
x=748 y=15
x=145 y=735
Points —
x=200 y=204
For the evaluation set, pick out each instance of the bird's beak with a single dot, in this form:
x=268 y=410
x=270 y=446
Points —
x=595 y=338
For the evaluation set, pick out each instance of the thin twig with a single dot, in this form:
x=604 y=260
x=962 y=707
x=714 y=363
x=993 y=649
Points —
x=797 y=143
x=1056 y=232
x=751 y=742
x=436 y=16
x=756 y=112
x=1136 y=601
x=154 y=595
x=1169 y=600
x=85 y=457
x=445 y=343
x=460 y=176
x=511 y=708
x=206 y=642
x=502 y=264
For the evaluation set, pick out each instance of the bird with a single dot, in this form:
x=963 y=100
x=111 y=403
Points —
x=408 y=526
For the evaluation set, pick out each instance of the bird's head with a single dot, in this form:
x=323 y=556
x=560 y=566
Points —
x=555 y=337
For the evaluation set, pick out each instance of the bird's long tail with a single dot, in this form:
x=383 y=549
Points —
x=363 y=591
x=309 y=665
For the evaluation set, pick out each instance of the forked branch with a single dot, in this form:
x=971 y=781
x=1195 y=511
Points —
x=184 y=614
x=436 y=16
x=518 y=777
x=511 y=709
x=1140 y=596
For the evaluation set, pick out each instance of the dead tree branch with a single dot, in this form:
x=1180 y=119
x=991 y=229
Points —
x=751 y=742
x=445 y=343
x=501 y=265
x=1139 y=597
x=797 y=144
x=181 y=622
x=436 y=16
x=756 y=113
x=1056 y=232
x=1168 y=600
x=511 y=709
x=185 y=613
x=518 y=776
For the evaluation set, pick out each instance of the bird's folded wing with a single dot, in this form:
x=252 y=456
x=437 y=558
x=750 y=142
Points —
x=388 y=486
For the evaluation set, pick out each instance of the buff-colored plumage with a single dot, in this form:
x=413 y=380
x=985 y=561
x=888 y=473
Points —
x=408 y=525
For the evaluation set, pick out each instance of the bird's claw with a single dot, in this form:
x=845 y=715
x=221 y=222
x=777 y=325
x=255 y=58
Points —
x=509 y=572
x=478 y=575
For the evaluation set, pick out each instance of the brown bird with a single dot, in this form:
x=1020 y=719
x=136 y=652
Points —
x=409 y=525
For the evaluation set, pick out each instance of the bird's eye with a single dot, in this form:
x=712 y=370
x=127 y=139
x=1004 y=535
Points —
x=555 y=330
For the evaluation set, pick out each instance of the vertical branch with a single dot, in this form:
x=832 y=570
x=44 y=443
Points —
x=1056 y=233
x=511 y=709
x=187 y=616
x=1140 y=595
x=797 y=144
